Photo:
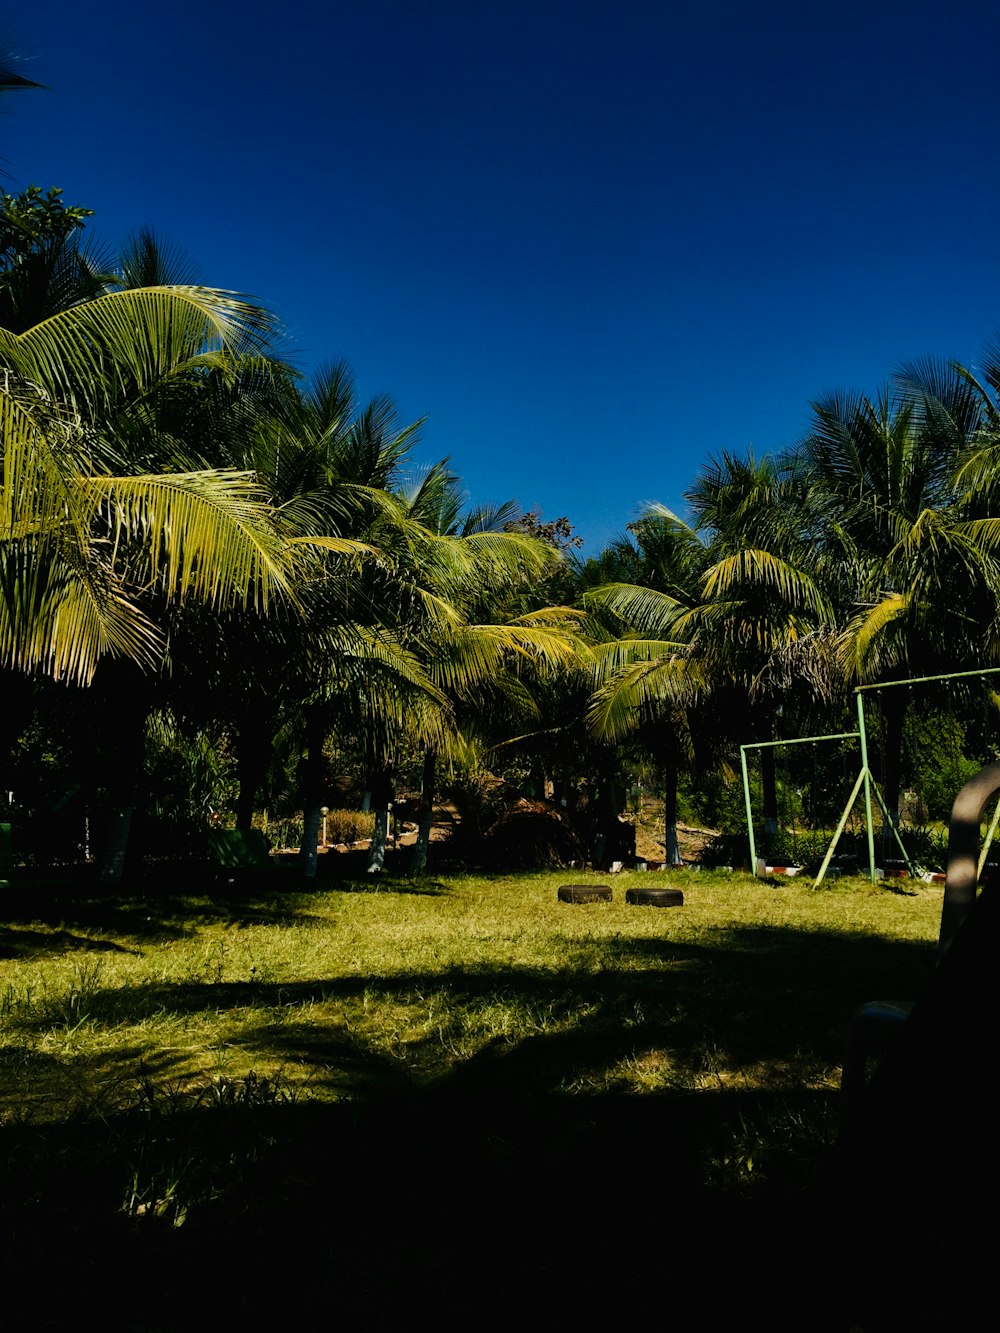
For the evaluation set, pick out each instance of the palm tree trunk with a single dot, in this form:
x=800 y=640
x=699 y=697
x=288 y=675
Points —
x=380 y=834
x=608 y=804
x=381 y=800
x=252 y=748
x=114 y=848
x=312 y=797
x=672 y=853
x=425 y=814
x=125 y=691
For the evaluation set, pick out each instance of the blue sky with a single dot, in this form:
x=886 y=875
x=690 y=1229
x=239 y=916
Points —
x=593 y=242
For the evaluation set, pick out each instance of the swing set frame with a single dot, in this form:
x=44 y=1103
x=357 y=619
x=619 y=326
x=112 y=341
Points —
x=865 y=780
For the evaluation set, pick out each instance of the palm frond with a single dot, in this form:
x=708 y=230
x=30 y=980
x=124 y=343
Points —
x=609 y=658
x=866 y=647
x=60 y=619
x=643 y=609
x=204 y=534
x=568 y=618
x=762 y=569
x=126 y=341
x=616 y=709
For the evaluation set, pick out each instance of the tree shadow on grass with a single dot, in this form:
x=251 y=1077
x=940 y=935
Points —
x=445 y=1187
x=163 y=916
x=758 y=999
x=45 y=1087
x=337 y=1062
x=421 y=888
x=38 y=943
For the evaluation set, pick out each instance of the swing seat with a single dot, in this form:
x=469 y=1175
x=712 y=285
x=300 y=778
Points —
x=875 y=1026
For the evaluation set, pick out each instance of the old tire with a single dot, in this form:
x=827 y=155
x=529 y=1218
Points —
x=584 y=893
x=655 y=897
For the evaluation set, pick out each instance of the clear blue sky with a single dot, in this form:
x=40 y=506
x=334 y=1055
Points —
x=593 y=242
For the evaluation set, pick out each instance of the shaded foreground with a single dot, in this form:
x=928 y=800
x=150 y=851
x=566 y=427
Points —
x=435 y=1212
x=473 y=1175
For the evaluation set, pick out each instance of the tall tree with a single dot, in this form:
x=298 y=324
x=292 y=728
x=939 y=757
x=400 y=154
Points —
x=648 y=675
x=877 y=532
x=487 y=648
x=909 y=557
x=108 y=517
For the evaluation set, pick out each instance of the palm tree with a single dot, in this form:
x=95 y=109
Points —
x=107 y=519
x=898 y=513
x=78 y=540
x=725 y=611
x=387 y=577
x=648 y=675
x=326 y=463
x=879 y=525
x=485 y=649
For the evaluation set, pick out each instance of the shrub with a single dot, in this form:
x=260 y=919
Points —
x=349 y=825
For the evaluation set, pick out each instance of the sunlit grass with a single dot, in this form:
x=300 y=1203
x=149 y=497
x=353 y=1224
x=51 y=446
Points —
x=365 y=990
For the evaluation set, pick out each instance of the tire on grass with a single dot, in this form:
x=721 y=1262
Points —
x=584 y=893
x=655 y=897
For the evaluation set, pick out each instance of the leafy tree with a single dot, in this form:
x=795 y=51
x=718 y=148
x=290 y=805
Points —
x=45 y=265
x=648 y=674
x=855 y=540
x=482 y=646
x=563 y=583
x=887 y=526
x=107 y=520
x=325 y=462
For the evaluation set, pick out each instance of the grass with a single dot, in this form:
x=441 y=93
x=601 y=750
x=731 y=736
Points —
x=358 y=992
x=195 y=1059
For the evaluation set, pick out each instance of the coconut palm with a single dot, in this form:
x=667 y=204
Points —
x=478 y=645
x=880 y=524
x=325 y=462
x=898 y=503
x=382 y=573
x=648 y=673
x=722 y=612
x=110 y=520
x=80 y=539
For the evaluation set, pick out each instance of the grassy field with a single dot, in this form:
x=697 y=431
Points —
x=194 y=1060
x=364 y=991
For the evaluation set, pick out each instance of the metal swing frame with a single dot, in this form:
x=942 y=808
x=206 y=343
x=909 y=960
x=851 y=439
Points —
x=865 y=780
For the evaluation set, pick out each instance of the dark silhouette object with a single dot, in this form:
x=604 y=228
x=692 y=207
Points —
x=655 y=897
x=615 y=842
x=584 y=893
x=876 y=1025
x=917 y=1154
x=9 y=77
x=532 y=836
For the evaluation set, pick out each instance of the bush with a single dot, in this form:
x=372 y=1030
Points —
x=349 y=825
x=938 y=748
